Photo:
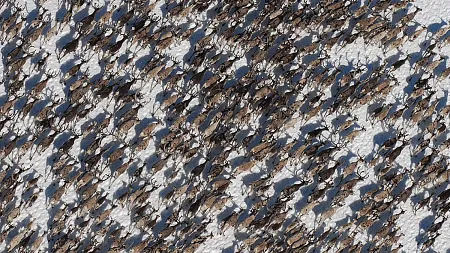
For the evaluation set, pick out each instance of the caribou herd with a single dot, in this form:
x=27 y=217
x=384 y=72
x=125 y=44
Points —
x=234 y=126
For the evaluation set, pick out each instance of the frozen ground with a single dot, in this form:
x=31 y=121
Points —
x=232 y=164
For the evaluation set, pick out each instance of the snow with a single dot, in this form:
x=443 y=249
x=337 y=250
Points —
x=412 y=224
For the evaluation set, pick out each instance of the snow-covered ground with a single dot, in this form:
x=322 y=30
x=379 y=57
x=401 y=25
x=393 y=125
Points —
x=269 y=157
